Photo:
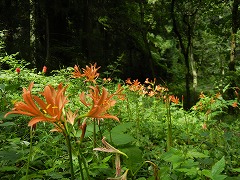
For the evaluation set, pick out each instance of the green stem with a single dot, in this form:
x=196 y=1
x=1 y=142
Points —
x=80 y=165
x=94 y=134
x=70 y=155
x=85 y=165
x=154 y=165
x=30 y=152
x=81 y=160
x=169 y=126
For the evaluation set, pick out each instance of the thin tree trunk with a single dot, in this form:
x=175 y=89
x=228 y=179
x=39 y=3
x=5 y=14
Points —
x=47 y=40
x=87 y=28
x=32 y=31
x=144 y=34
x=185 y=52
x=235 y=27
x=194 y=71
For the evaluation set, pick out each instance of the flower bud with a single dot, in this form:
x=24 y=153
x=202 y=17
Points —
x=18 y=70
x=44 y=70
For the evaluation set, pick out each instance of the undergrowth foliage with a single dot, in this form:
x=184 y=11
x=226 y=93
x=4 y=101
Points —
x=85 y=126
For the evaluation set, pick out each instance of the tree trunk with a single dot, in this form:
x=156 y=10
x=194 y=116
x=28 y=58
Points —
x=144 y=35
x=87 y=28
x=194 y=71
x=235 y=27
x=32 y=31
x=185 y=52
x=47 y=40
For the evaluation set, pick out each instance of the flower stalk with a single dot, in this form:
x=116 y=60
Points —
x=169 y=125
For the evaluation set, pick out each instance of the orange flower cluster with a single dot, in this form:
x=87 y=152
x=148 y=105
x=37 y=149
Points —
x=90 y=73
x=101 y=102
x=52 y=107
x=150 y=88
x=205 y=102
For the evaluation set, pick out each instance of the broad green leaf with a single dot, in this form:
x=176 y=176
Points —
x=8 y=124
x=190 y=172
x=134 y=159
x=9 y=155
x=195 y=154
x=8 y=168
x=55 y=175
x=173 y=156
x=218 y=167
x=236 y=170
x=207 y=173
x=218 y=177
x=189 y=163
x=122 y=127
x=121 y=139
x=2 y=87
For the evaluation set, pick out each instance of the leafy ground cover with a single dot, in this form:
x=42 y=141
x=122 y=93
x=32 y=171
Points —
x=76 y=124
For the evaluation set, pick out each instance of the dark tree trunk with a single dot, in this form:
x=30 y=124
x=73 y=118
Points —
x=185 y=52
x=144 y=35
x=87 y=28
x=235 y=27
x=32 y=31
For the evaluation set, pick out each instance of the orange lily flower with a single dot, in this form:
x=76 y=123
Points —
x=100 y=103
x=201 y=96
x=91 y=73
x=128 y=81
x=51 y=108
x=234 y=104
x=174 y=99
x=77 y=73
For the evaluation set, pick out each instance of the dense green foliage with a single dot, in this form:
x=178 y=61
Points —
x=188 y=50
x=204 y=142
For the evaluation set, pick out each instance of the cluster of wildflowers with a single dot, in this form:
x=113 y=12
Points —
x=150 y=88
x=50 y=107
x=206 y=102
x=90 y=73
x=206 y=105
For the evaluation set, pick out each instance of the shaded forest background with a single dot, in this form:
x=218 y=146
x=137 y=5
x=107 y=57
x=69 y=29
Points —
x=191 y=46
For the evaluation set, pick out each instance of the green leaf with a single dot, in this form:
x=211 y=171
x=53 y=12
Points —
x=173 y=156
x=8 y=124
x=236 y=170
x=207 y=173
x=122 y=127
x=134 y=159
x=218 y=177
x=121 y=139
x=2 y=87
x=195 y=154
x=106 y=159
x=9 y=155
x=8 y=168
x=218 y=167
x=190 y=172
